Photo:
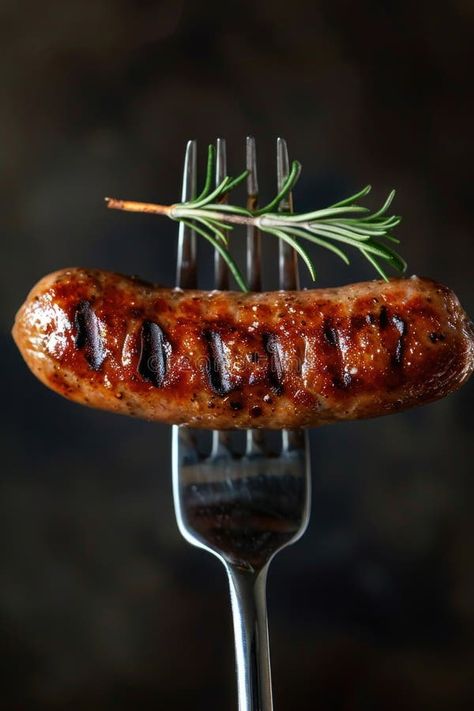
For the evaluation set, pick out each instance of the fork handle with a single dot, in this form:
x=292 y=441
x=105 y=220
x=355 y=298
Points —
x=249 y=612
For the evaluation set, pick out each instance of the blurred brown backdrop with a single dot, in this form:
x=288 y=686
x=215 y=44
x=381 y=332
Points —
x=102 y=605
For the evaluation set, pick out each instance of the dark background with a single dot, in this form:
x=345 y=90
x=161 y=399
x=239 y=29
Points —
x=102 y=604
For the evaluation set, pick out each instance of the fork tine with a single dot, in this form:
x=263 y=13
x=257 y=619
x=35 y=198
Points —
x=220 y=439
x=289 y=278
x=254 y=259
x=288 y=267
x=186 y=276
x=254 y=444
x=221 y=271
x=184 y=448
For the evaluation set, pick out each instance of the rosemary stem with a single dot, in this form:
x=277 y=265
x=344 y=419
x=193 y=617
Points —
x=132 y=206
x=177 y=212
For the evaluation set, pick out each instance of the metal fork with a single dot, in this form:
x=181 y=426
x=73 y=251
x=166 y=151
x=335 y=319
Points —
x=242 y=509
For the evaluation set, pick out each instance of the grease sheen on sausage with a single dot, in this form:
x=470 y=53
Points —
x=233 y=360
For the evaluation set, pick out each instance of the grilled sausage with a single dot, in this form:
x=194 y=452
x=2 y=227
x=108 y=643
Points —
x=231 y=360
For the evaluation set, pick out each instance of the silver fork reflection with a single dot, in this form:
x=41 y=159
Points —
x=242 y=509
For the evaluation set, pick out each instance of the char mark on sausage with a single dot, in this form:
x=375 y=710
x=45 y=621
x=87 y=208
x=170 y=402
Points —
x=217 y=367
x=152 y=365
x=88 y=336
x=275 y=367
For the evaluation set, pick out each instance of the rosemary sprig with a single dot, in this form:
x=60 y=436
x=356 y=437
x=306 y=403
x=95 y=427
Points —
x=344 y=223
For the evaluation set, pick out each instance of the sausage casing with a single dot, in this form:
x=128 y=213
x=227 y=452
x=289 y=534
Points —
x=231 y=360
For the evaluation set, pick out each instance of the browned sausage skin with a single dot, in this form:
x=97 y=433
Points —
x=233 y=360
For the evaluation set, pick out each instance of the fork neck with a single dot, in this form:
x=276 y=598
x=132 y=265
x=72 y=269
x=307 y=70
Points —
x=249 y=612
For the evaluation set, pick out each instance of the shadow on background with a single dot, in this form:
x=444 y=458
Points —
x=102 y=605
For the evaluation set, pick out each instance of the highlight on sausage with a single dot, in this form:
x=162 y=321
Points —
x=230 y=360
